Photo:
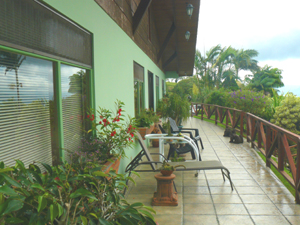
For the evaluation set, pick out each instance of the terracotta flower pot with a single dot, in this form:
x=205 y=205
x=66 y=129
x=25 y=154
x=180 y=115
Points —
x=145 y=130
x=155 y=143
x=112 y=165
x=166 y=172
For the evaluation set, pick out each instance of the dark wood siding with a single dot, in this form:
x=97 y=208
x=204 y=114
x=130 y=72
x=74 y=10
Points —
x=122 y=11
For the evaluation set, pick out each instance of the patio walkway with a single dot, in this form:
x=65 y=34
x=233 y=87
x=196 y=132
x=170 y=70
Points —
x=258 y=196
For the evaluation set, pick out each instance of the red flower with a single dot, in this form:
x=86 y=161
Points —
x=113 y=133
x=88 y=116
x=100 y=122
x=120 y=110
x=104 y=121
x=132 y=134
x=92 y=117
x=101 y=117
x=129 y=139
x=56 y=178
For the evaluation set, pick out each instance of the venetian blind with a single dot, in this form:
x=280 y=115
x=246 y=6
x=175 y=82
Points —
x=26 y=93
x=31 y=26
x=138 y=72
x=72 y=107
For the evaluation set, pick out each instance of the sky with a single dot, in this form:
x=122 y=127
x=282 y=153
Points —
x=271 y=27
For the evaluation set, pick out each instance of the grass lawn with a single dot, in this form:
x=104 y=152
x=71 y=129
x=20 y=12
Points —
x=282 y=179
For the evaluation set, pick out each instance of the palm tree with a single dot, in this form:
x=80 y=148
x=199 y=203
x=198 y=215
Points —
x=222 y=64
x=12 y=61
x=204 y=65
x=266 y=79
x=243 y=60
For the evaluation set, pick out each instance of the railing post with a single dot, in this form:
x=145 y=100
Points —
x=216 y=115
x=280 y=153
x=247 y=126
x=297 y=181
x=252 y=132
x=233 y=119
x=208 y=117
x=242 y=124
x=268 y=145
x=227 y=117
x=259 y=134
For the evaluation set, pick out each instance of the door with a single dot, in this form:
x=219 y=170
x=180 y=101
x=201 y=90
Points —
x=150 y=90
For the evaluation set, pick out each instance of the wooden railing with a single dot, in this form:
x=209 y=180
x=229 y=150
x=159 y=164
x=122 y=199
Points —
x=280 y=147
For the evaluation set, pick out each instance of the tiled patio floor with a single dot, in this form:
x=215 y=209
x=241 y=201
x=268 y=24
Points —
x=258 y=196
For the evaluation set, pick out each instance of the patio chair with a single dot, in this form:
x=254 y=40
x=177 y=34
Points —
x=175 y=129
x=181 y=150
x=153 y=165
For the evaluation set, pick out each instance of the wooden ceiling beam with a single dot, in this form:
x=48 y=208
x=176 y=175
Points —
x=170 y=60
x=166 y=41
x=139 y=14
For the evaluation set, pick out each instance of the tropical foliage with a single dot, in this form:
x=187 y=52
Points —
x=68 y=194
x=287 y=115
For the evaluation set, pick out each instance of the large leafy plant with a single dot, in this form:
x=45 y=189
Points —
x=114 y=133
x=146 y=118
x=66 y=194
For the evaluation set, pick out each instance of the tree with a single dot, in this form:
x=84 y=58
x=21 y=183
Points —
x=266 y=78
x=204 y=66
x=222 y=64
x=243 y=60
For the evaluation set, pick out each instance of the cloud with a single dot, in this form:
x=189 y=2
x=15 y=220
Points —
x=280 y=47
x=244 y=24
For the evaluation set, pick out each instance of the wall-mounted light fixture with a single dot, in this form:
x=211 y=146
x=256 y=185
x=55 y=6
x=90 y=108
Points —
x=187 y=35
x=189 y=10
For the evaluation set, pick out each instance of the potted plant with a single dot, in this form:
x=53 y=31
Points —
x=112 y=134
x=156 y=130
x=166 y=169
x=145 y=121
x=175 y=106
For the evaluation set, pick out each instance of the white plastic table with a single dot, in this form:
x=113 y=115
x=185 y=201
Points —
x=163 y=137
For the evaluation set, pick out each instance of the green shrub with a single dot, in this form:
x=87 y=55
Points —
x=250 y=101
x=287 y=115
x=218 y=97
x=67 y=194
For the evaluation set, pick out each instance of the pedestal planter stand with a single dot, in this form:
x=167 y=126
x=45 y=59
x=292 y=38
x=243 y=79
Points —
x=165 y=195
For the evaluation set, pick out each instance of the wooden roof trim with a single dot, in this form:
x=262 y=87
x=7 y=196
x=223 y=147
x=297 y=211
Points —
x=166 y=41
x=170 y=59
x=139 y=14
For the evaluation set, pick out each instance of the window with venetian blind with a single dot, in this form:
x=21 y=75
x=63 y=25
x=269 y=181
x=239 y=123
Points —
x=138 y=87
x=29 y=114
x=26 y=109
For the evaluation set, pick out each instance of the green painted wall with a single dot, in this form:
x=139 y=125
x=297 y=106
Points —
x=114 y=53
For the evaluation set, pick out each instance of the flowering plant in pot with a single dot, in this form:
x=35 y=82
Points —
x=68 y=194
x=113 y=133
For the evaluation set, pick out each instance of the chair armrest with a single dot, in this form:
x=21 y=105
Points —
x=159 y=154
x=194 y=129
x=150 y=162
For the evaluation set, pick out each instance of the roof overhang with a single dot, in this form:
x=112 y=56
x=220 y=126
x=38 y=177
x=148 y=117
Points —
x=172 y=22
